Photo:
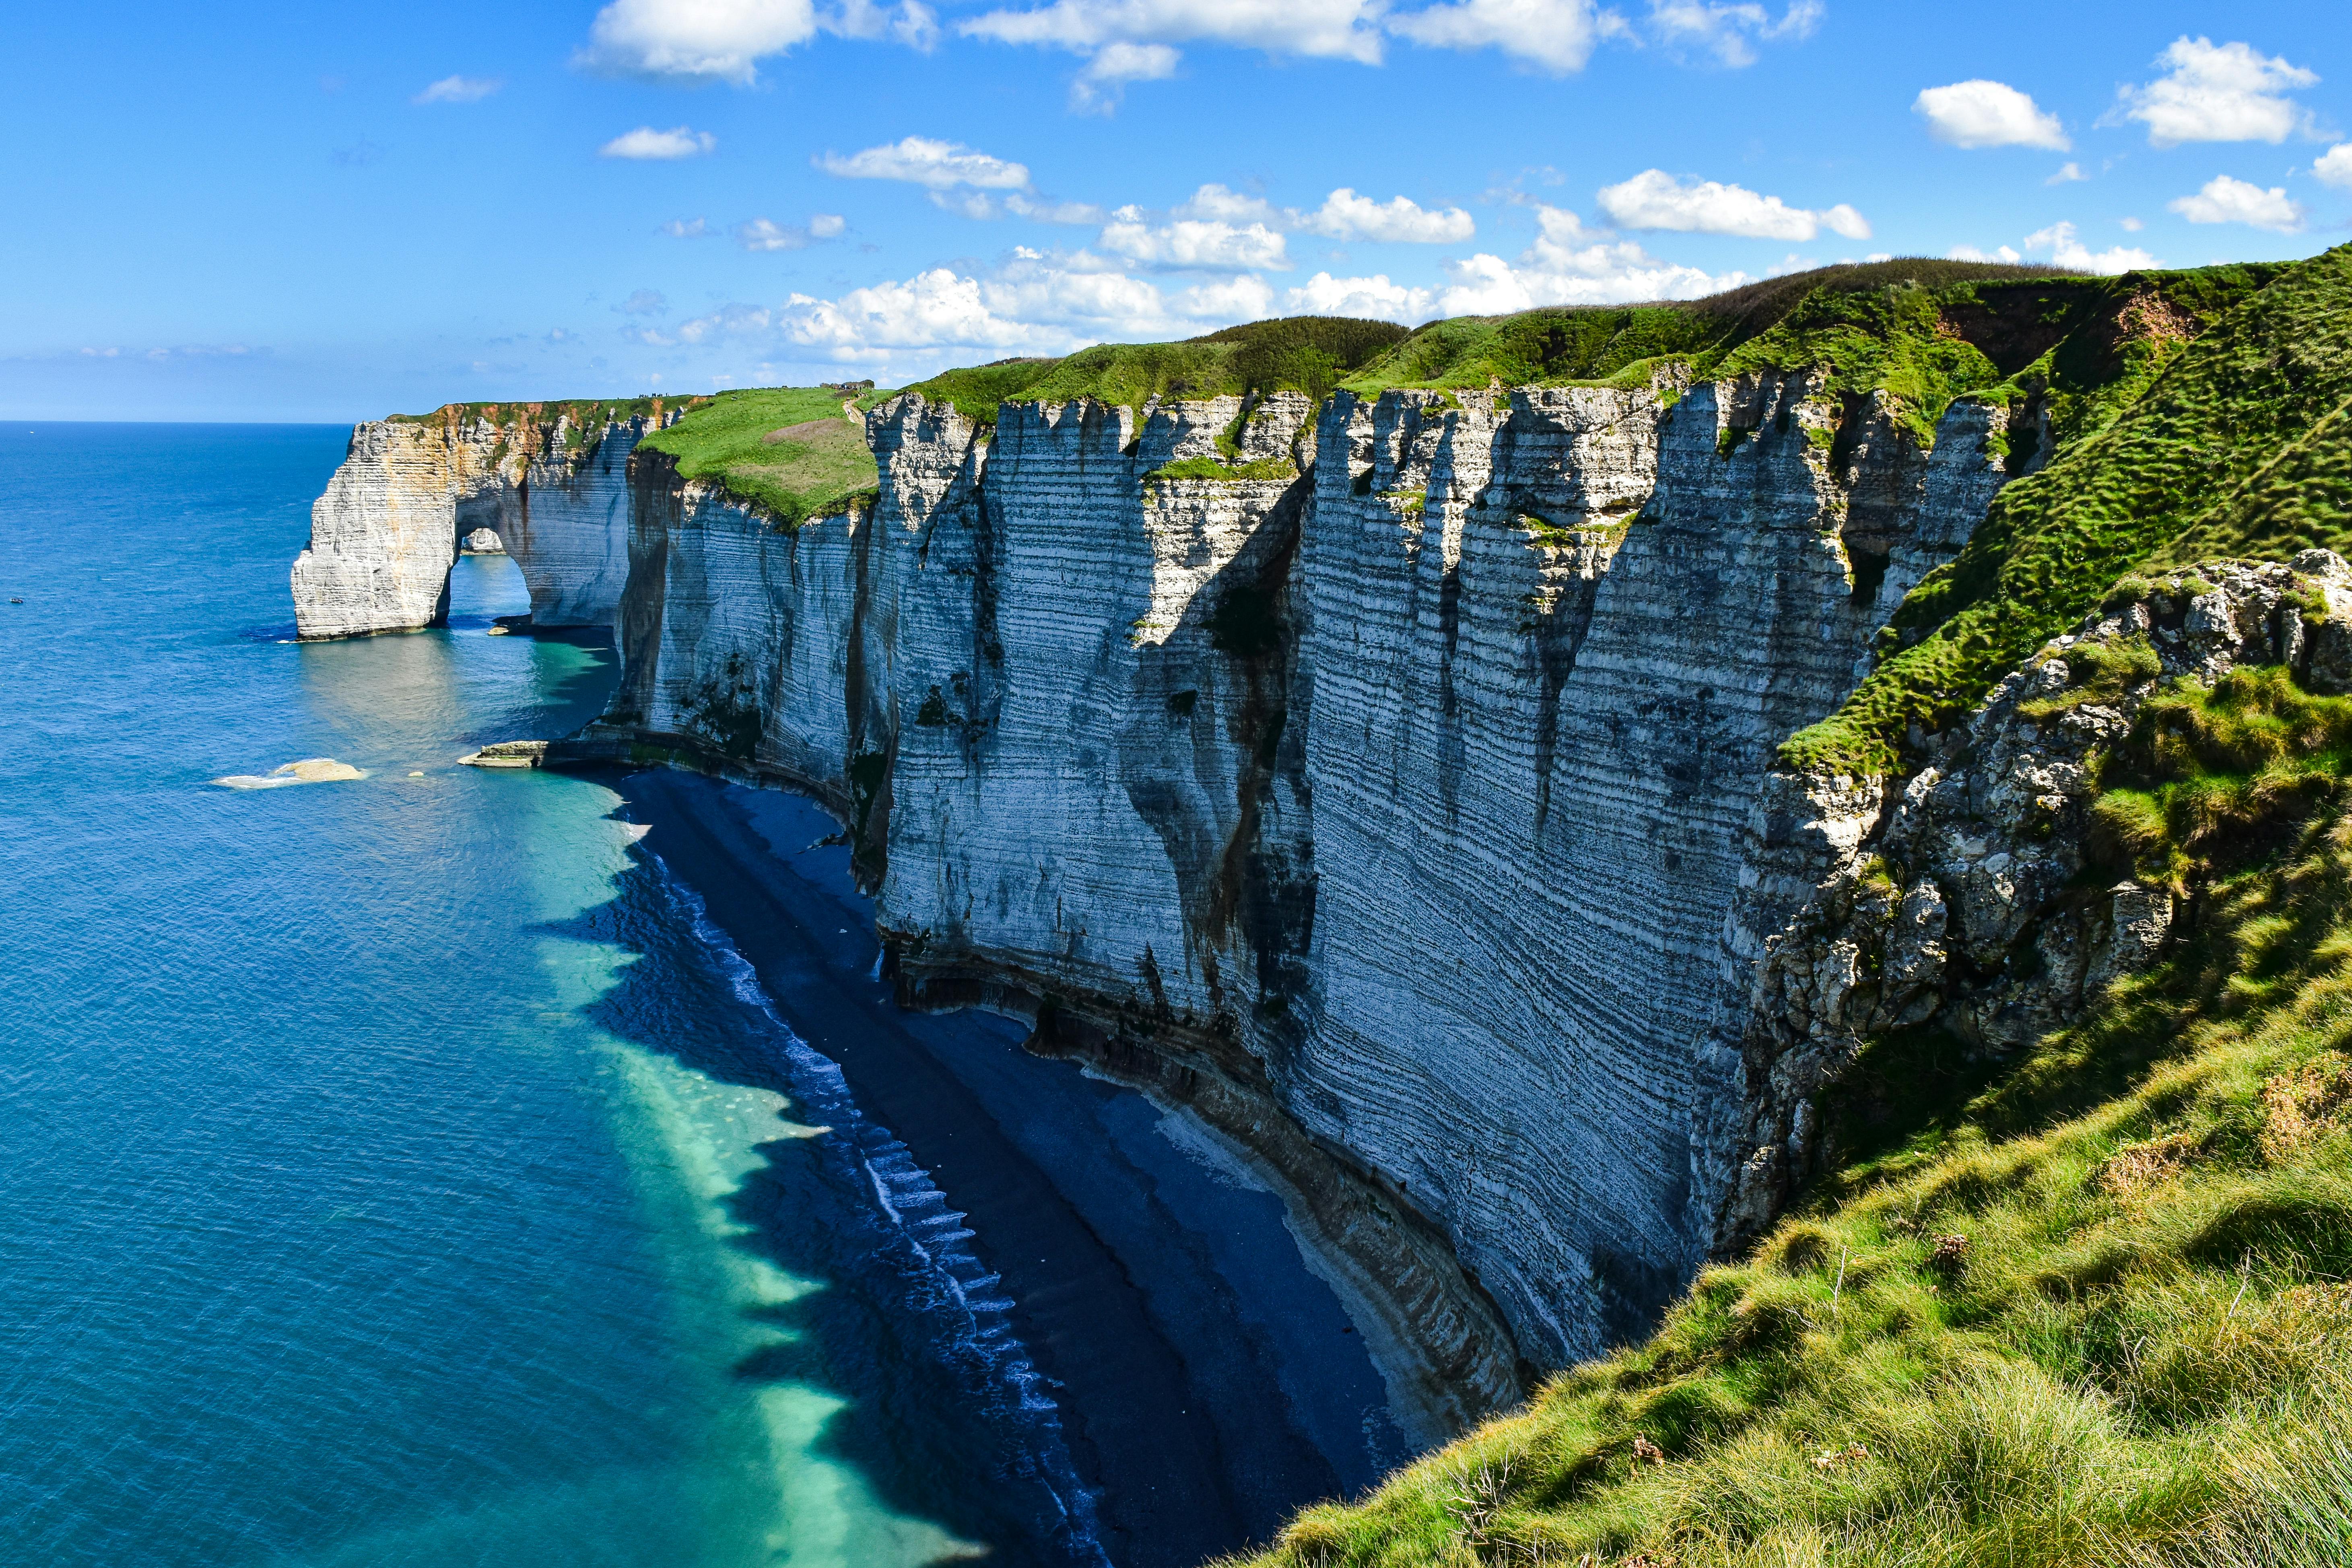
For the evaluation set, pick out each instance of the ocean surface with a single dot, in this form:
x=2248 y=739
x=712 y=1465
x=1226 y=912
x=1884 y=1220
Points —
x=415 y=1169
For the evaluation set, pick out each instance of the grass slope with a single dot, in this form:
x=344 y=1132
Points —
x=2092 y=1312
x=1302 y=354
x=787 y=449
x=2229 y=443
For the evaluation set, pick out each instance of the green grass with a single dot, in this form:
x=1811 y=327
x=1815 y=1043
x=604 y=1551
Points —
x=786 y=449
x=2229 y=445
x=1302 y=354
x=589 y=415
x=1228 y=473
x=2085 y=1307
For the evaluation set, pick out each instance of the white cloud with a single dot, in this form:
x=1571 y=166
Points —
x=1329 y=29
x=459 y=89
x=910 y=22
x=2334 y=166
x=714 y=40
x=1099 y=88
x=1041 y=209
x=1980 y=113
x=2068 y=173
x=645 y=142
x=685 y=228
x=2228 y=92
x=1207 y=245
x=2130 y=225
x=2060 y=240
x=1970 y=253
x=1569 y=265
x=1247 y=298
x=1655 y=199
x=644 y=302
x=759 y=234
x=924 y=161
x=1217 y=202
x=1558 y=35
x=1324 y=295
x=1344 y=214
x=2225 y=200
x=1727 y=32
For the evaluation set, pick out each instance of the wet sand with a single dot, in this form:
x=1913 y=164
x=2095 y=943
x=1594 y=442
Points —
x=1208 y=1383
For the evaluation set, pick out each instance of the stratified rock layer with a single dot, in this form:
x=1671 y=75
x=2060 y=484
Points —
x=385 y=534
x=1390 y=806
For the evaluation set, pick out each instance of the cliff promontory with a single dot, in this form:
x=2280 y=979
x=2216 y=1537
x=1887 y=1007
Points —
x=1528 y=782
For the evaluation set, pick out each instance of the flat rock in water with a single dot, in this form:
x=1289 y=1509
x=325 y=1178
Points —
x=310 y=769
x=507 y=754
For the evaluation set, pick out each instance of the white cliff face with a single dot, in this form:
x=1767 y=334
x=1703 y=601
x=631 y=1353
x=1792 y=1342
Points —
x=383 y=536
x=1398 y=814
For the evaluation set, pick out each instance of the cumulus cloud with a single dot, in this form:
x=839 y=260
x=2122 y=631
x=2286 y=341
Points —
x=1655 y=199
x=1204 y=244
x=924 y=161
x=458 y=89
x=715 y=40
x=1980 y=113
x=1571 y=265
x=2069 y=172
x=910 y=22
x=1328 y=29
x=1557 y=35
x=685 y=228
x=1728 y=33
x=1344 y=214
x=1099 y=88
x=2064 y=248
x=2226 y=92
x=645 y=142
x=760 y=234
x=2225 y=200
x=724 y=40
x=2334 y=166
x=644 y=302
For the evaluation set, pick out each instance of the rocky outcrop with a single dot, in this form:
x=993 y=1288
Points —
x=555 y=496
x=1378 y=782
x=1966 y=896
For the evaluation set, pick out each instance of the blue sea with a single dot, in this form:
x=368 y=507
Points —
x=411 y=1170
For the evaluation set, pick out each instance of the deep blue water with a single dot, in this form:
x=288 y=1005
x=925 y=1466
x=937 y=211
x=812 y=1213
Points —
x=405 y=1171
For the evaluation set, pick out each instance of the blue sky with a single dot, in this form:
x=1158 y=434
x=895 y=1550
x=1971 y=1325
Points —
x=322 y=212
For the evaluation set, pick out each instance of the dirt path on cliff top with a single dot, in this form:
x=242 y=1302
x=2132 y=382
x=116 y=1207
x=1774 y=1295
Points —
x=1185 y=1343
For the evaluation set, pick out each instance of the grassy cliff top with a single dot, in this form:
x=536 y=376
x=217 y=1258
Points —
x=2195 y=413
x=1305 y=353
x=589 y=412
x=788 y=449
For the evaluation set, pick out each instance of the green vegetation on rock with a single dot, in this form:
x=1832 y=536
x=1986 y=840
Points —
x=2226 y=443
x=788 y=450
x=1298 y=353
x=2087 y=1305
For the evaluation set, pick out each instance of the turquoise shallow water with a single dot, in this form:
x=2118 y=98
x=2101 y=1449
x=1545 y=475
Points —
x=357 y=1207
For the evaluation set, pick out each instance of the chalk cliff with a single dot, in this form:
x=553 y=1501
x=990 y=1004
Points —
x=554 y=490
x=1387 y=782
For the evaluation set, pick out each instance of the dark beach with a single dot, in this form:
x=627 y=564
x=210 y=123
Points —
x=1207 y=1382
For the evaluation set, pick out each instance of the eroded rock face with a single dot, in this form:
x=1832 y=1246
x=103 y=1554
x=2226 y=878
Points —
x=383 y=536
x=1391 y=813
x=1958 y=896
